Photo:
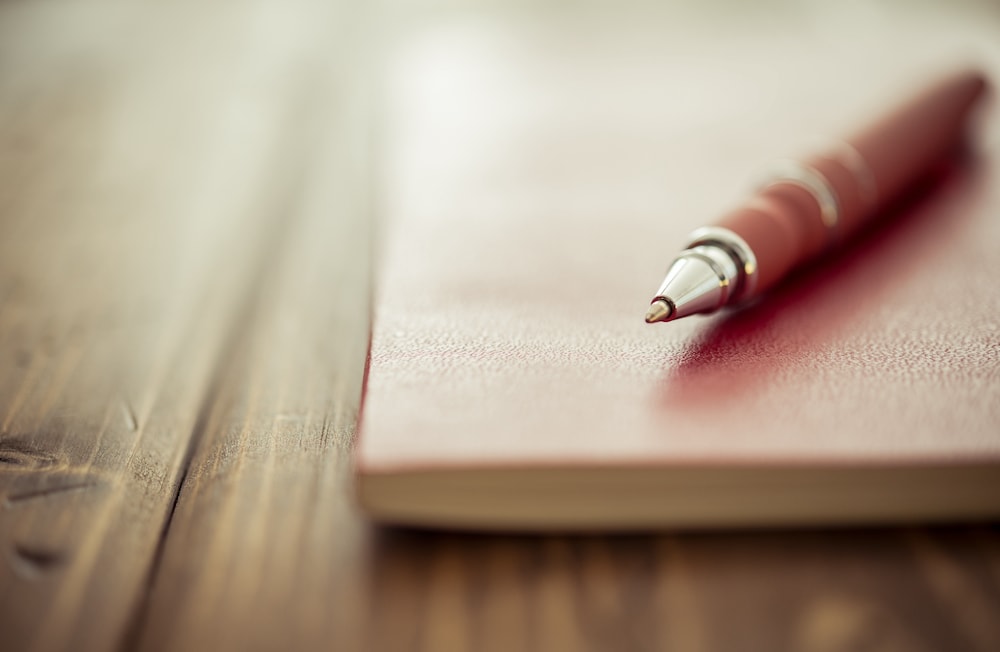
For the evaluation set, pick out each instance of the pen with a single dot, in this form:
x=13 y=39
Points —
x=812 y=205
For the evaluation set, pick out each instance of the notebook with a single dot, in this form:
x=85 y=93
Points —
x=541 y=175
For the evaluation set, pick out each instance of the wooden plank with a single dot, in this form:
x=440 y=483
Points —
x=148 y=156
x=263 y=543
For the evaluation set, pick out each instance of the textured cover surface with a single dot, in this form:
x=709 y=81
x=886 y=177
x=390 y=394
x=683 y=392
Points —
x=537 y=189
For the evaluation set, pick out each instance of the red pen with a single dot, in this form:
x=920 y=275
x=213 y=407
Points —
x=812 y=205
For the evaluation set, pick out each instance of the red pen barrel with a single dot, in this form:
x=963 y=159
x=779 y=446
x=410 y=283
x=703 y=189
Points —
x=824 y=199
x=904 y=143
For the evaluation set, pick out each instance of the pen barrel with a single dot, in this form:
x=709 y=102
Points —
x=822 y=200
x=903 y=144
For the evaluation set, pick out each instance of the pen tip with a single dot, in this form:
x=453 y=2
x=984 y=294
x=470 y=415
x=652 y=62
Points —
x=659 y=310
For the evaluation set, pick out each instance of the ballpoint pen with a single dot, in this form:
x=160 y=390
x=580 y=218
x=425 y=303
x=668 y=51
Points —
x=810 y=206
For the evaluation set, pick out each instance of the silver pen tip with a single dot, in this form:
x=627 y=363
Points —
x=659 y=310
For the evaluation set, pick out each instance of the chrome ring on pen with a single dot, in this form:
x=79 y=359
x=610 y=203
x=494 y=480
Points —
x=810 y=180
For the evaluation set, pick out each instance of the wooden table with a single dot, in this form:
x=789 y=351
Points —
x=186 y=250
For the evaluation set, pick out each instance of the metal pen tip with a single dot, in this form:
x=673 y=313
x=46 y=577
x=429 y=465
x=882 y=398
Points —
x=659 y=310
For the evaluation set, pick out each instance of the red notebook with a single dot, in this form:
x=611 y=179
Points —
x=540 y=180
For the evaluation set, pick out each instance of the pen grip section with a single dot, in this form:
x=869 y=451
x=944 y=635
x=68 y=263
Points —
x=783 y=225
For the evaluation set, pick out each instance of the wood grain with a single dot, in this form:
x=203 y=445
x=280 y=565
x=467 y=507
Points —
x=186 y=248
x=264 y=516
x=137 y=224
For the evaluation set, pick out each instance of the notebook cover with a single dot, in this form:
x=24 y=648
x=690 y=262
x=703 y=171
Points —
x=537 y=186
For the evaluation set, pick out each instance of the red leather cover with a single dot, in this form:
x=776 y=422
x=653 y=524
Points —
x=537 y=187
